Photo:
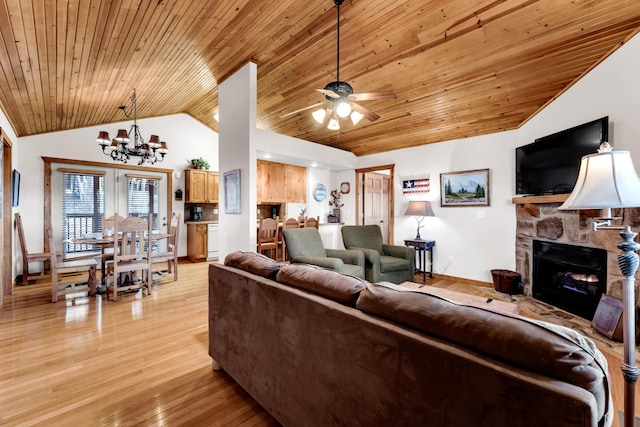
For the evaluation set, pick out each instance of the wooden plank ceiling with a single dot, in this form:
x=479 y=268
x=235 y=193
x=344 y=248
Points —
x=459 y=68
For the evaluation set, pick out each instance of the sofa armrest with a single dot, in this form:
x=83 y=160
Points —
x=404 y=252
x=334 y=264
x=353 y=257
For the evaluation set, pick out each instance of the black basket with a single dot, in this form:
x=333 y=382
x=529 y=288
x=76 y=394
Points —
x=506 y=281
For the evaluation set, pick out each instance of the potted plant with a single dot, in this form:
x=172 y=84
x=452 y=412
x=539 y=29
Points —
x=334 y=201
x=199 y=163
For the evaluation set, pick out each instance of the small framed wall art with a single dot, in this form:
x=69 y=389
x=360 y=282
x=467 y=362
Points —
x=345 y=187
x=319 y=192
x=232 y=192
x=465 y=188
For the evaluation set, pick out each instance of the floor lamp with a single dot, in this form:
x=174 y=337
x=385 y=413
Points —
x=607 y=180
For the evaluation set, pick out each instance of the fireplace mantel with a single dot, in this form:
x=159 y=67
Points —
x=550 y=198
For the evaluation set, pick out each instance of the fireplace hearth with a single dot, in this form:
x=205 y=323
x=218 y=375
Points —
x=570 y=277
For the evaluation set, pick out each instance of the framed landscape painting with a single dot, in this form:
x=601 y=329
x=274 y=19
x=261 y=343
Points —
x=465 y=188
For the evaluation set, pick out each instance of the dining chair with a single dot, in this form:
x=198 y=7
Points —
x=29 y=257
x=287 y=225
x=107 y=250
x=170 y=256
x=132 y=255
x=59 y=267
x=268 y=237
x=312 y=222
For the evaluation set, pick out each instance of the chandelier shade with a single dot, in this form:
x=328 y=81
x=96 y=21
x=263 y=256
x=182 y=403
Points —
x=103 y=139
x=119 y=148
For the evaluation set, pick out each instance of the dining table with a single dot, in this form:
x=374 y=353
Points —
x=105 y=241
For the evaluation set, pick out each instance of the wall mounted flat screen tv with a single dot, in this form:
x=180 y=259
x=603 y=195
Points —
x=550 y=164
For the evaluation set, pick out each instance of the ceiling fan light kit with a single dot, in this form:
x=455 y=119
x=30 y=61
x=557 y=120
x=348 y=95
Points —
x=340 y=97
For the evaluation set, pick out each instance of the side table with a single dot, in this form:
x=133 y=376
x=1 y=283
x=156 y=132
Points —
x=422 y=247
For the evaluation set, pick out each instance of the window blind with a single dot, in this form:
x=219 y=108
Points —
x=83 y=202
x=142 y=198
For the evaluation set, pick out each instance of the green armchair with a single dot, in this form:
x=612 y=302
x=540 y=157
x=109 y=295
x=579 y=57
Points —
x=304 y=245
x=389 y=263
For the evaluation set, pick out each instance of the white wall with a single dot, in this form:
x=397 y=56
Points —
x=611 y=89
x=478 y=238
x=186 y=137
x=479 y=244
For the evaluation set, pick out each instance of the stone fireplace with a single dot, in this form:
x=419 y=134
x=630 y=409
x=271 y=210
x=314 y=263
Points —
x=538 y=219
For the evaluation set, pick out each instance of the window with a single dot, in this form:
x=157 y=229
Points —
x=142 y=198
x=82 y=208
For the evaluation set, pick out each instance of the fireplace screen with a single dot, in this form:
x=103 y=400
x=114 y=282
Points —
x=568 y=276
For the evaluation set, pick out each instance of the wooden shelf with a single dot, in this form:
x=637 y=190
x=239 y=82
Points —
x=551 y=198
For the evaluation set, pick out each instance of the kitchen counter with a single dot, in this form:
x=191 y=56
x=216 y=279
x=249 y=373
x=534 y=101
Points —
x=201 y=222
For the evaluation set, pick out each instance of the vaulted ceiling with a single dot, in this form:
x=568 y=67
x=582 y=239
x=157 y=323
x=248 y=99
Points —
x=460 y=68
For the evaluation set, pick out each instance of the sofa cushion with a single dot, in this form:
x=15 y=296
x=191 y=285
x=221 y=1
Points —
x=254 y=263
x=552 y=350
x=329 y=284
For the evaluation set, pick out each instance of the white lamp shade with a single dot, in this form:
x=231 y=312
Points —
x=319 y=115
x=606 y=180
x=356 y=117
x=333 y=124
x=419 y=208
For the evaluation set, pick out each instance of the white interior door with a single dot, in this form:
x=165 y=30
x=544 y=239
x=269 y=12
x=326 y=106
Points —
x=376 y=201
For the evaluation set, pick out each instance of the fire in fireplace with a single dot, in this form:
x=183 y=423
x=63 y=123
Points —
x=570 y=277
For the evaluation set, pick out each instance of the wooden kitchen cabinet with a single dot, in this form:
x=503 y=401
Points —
x=295 y=184
x=271 y=181
x=280 y=183
x=212 y=187
x=197 y=242
x=201 y=186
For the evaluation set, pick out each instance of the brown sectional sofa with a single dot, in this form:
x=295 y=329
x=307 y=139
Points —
x=317 y=348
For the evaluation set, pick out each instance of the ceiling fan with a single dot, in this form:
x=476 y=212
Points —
x=340 y=99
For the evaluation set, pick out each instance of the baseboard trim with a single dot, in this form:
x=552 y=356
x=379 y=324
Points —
x=465 y=281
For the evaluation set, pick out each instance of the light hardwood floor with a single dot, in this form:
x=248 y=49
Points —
x=142 y=360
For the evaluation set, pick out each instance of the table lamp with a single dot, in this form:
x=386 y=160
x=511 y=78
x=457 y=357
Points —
x=607 y=180
x=419 y=209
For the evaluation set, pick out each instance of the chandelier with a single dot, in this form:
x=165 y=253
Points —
x=120 y=149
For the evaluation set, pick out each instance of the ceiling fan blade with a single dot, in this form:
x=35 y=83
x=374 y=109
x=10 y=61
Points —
x=329 y=93
x=302 y=109
x=371 y=96
x=368 y=114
